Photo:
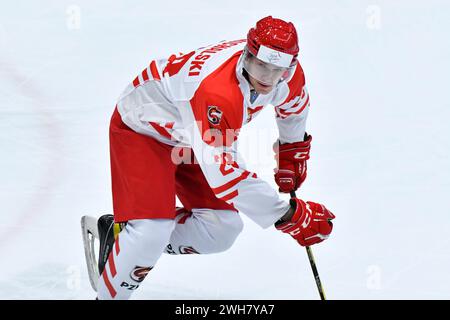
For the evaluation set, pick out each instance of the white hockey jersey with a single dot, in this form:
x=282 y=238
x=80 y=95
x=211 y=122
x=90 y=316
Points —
x=201 y=100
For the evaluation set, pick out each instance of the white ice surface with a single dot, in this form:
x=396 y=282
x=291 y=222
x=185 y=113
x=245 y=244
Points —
x=378 y=74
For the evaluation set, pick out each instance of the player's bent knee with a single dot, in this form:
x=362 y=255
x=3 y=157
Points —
x=225 y=235
x=147 y=233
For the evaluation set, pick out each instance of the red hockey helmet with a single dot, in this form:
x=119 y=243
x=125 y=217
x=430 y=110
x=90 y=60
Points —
x=275 y=34
x=271 y=51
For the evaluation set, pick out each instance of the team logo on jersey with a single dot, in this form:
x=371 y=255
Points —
x=188 y=250
x=139 y=273
x=214 y=115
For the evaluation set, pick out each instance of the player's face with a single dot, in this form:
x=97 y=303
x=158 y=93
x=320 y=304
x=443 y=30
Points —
x=260 y=87
x=263 y=76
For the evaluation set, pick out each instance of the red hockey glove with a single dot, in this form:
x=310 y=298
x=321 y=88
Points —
x=291 y=160
x=310 y=223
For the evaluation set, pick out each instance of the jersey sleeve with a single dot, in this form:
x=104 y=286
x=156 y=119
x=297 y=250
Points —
x=225 y=172
x=292 y=113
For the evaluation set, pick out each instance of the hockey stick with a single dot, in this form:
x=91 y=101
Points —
x=312 y=262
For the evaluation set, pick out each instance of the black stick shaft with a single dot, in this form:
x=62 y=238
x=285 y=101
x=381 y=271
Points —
x=312 y=262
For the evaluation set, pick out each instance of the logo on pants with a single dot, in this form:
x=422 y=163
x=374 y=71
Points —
x=139 y=273
x=187 y=250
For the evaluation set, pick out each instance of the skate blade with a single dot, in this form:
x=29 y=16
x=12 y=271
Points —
x=90 y=233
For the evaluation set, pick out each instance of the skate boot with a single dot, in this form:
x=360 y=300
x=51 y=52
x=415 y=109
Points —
x=104 y=230
x=105 y=225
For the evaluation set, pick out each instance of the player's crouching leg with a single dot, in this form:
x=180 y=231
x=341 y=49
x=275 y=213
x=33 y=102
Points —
x=135 y=252
x=205 y=231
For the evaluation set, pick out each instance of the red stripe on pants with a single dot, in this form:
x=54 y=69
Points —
x=116 y=244
x=111 y=290
x=112 y=265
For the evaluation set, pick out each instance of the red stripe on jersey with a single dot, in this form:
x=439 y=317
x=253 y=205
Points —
x=296 y=85
x=162 y=131
x=251 y=112
x=230 y=195
x=108 y=284
x=255 y=110
x=112 y=265
x=136 y=82
x=154 y=71
x=169 y=125
x=145 y=75
x=285 y=114
x=231 y=183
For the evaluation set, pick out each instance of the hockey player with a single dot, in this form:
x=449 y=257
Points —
x=173 y=133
